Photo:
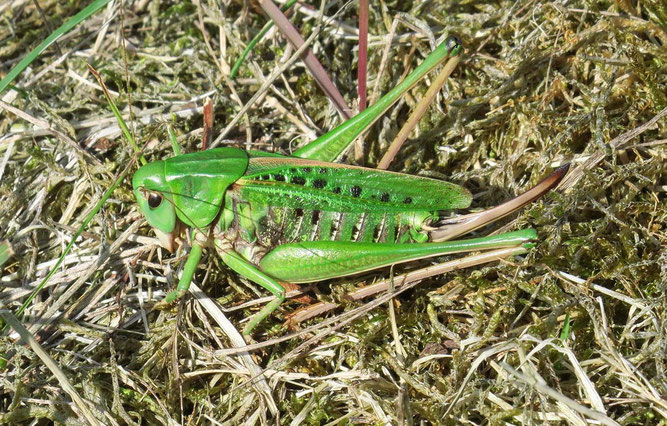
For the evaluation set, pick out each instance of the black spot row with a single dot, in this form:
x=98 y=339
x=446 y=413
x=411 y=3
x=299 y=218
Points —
x=297 y=180
x=309 y=170
x=355 y=190
x=279 y=178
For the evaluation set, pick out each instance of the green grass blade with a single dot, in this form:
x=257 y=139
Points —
x=565 y=332
x=60 y=31
x=5 y=252
x=98 y=206
x=174 y=141
x=83 y=406
x=83 y=226
x=118 y=115
x=254 y=41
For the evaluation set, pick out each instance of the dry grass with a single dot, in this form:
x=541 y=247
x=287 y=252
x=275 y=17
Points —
x=575 y=331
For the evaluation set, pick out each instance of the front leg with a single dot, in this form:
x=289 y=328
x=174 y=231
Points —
x=241 y=266
x=185 y=280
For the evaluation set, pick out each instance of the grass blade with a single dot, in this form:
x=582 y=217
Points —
x=58 y=373
x=59 y=32
x=5 y=252
x=314 y=66
x=362 y=71
x=254 y=41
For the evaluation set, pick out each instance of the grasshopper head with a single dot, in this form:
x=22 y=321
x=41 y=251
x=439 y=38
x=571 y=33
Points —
x=156 y=202
x=187 y=190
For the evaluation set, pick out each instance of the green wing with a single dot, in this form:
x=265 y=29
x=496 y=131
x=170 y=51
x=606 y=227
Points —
x=300 y=183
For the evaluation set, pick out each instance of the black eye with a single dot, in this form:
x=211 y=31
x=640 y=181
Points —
x=154 y=200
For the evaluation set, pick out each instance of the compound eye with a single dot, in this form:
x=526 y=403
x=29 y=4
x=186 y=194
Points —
x=154 y=200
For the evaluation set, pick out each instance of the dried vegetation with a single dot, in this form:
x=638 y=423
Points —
x=575 y=331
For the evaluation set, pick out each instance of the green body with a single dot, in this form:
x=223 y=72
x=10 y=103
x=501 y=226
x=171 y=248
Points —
x=304 y=218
